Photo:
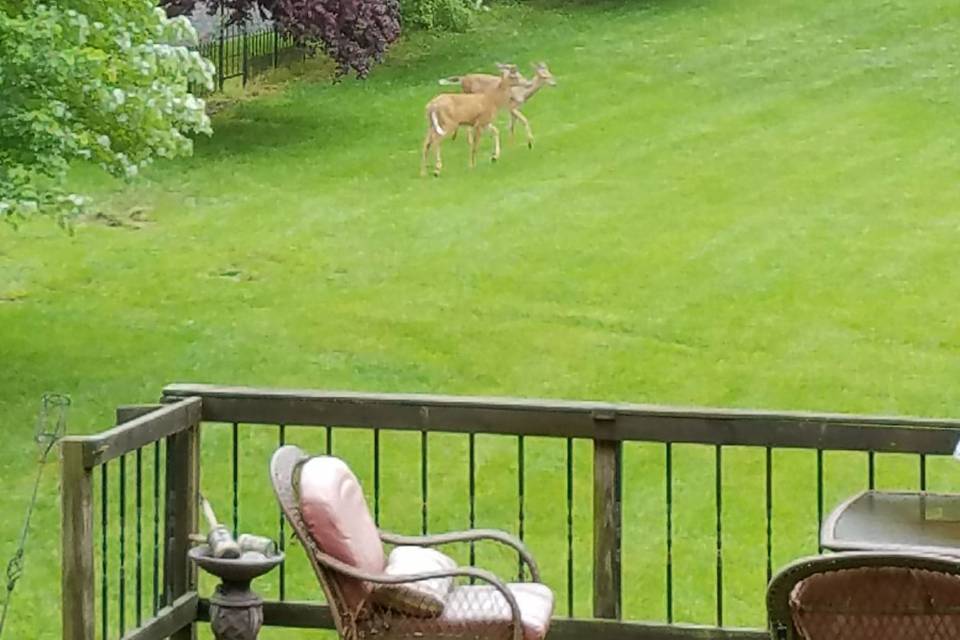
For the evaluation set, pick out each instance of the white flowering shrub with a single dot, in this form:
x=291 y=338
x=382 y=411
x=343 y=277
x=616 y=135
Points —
x=99 y=80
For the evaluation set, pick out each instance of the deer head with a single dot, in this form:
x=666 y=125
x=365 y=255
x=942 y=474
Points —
x=511 y=69
x=542 y=72
x=510 y=74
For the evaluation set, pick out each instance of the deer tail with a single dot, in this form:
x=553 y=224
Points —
x=435 y=122
x=450 y=80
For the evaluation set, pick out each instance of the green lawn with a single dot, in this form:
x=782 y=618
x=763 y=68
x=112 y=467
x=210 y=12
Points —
x=733 y=204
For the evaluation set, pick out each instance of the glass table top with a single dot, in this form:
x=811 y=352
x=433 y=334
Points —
x=895 y=521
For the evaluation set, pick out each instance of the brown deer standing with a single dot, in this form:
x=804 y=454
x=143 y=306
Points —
x=479 y=82
x=448 y=111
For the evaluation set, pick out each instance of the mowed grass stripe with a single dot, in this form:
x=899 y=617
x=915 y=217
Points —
x=727 y=204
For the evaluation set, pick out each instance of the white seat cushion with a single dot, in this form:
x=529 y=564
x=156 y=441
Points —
x=481 y=608
x=424 y=598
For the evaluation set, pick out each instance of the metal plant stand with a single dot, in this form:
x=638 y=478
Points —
x=236 y=611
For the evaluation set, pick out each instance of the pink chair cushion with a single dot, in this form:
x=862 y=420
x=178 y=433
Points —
x=336 y=515
x=481 y=607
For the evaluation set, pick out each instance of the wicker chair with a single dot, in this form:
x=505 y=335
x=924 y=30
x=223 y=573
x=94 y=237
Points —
x=370 y=597
x=866 y=596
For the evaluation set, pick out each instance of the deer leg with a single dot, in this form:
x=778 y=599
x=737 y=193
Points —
x=496 y=142
x=426 y=149
x=474 y=143
x=470 y=136
x=515 y=114
x=439 y=163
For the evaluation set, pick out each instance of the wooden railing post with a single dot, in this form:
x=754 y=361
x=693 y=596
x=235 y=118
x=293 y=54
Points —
x=607 y=490
x=76 y=543
x=181 y=517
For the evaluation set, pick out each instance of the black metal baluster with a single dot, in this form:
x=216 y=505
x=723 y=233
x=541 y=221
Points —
x=156 y=526
x=668 y=463
x=220 y=60
x=718 y=466
x=276 y=46
x=472 y=483
x=121 y=606
x=281 y=441
x=520 y=502
x=871 y=470
x=769 y=512
x=138 y=594
x=245 y=56
x=329 y=441
x=819 y=497
x=423 y=482
x=570 y=575
x=376 y=476
x=104 y=549
x=923 y=472
x=618 y=542
x=235 y=477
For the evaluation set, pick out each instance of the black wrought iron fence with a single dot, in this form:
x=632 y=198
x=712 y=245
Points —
x=239 y=52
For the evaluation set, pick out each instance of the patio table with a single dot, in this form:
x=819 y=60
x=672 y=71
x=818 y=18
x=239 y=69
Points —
x=895 y=521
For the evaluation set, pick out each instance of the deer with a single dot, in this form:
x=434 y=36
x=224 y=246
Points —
x=479 y=82
x=447 y=112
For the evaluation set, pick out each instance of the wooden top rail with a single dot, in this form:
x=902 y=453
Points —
x=138 y=432
x=556 y=418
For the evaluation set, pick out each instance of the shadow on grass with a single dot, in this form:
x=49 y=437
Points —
x=254 y=129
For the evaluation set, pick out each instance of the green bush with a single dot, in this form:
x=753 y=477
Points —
x=103 y=81
x=441 y=15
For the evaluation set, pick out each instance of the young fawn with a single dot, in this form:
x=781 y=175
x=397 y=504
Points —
x=448 y=111
x=479 y=82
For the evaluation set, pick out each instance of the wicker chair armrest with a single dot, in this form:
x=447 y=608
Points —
x=471 y=535
x=458 y=572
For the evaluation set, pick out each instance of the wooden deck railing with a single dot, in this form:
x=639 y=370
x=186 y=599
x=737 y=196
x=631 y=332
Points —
x=175 y=428
x=173 y=610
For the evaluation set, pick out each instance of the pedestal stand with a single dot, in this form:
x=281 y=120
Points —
x=236 y=612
